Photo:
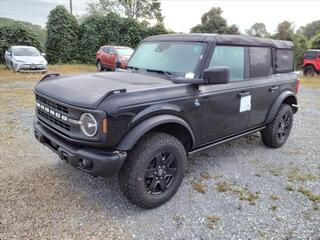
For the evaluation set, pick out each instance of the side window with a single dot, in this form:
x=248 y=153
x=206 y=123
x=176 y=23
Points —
x=105 y=49
x=284 y=60
x=112 y=50
x=310 y=55
x=232 y=57
x=260 y=62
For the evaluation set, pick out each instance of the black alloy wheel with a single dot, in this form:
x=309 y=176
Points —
x=160 y=173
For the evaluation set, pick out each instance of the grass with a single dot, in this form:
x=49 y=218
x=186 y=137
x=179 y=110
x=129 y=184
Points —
x=312 y=82
x=212 y=221
x=297 y=176
x=199 y=187
x=274 y=197
x=310 y=195
x=7 y=76
x=243 y=193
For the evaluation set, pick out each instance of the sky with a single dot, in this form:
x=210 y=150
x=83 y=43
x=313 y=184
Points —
x=181 y=15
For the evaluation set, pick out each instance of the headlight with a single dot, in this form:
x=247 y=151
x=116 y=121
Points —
x=88 y=125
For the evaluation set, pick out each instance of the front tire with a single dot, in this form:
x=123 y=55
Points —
x=277 y=132
x=99 y=66
x=309 y=71
x=154 y=170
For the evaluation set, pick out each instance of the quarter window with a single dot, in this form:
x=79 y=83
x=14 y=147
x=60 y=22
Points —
x=231 y=57
x=284 y=60
x=260 y=62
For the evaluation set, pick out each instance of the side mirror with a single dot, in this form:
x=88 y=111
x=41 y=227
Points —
x=7 y=53
x=216 y=75
x=43 y=54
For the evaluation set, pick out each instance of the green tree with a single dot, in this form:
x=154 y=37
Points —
x=310 y=29
x=17 y=34
x=285 y=31
x=315 y=41
x=213 y=22
x=258 y=30
x=62 y=40
x=300 y=46
x=136 y=9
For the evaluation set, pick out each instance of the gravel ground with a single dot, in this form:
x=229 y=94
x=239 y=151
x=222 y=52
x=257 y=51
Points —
x=237 y=190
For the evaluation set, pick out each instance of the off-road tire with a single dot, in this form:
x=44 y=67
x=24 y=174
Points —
x=309 y=71
x=132 y=174
x=270 y=135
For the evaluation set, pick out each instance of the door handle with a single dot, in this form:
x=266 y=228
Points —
x=244 y=93
x=273 y=89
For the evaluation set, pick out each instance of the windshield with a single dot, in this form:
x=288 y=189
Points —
x=172 y=57
x=125 y=51
x=25 y=51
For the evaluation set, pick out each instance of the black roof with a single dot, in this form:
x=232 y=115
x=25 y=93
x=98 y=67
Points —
x=241 y=40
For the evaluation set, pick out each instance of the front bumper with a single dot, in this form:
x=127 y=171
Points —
x=25 y=67
x=106 y=164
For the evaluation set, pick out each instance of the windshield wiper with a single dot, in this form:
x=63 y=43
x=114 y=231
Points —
x=167 y=74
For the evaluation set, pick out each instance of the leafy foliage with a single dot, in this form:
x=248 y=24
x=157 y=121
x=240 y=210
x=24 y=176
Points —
x=136 y=9
x=16 y=34
x=300 y=46
x=62 y=36
x=285 y=31
x=37 y=29
x=258 y=30
x=213 y=22
x=315 y=41
x=310 y=29
x=97 y=30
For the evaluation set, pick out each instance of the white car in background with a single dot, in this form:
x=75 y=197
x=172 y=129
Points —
x=25 y=58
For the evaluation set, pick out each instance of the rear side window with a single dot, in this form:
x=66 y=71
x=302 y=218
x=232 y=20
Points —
x=284 y=60
x=232 y=57
x=260 y=62
x=106 y=49
x=310 y=55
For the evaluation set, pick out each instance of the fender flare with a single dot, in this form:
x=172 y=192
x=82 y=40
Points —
x=274 y=109
x=142 y=128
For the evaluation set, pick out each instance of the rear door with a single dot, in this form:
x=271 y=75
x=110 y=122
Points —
x=105 y=55
x=318 y=62
x=266 y=85
x=223 y=105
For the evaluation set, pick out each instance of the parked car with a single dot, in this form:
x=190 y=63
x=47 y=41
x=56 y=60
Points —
x=311 y=62
x=25 y=58
x=180 y=94
x=112 y=57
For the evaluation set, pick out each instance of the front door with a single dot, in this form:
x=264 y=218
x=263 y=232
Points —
x=226 y=107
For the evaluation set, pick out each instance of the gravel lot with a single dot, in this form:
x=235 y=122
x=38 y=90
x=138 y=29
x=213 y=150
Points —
x=237 y=190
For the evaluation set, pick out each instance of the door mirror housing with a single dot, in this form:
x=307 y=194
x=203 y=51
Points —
x=43 y=54
x=7 y=53
x=216 y=75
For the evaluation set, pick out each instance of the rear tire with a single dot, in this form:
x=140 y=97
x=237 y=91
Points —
x=154 y=170
x=277 y=132
x=309 y=71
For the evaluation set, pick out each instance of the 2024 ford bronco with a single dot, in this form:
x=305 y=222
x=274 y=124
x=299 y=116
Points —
x=180 y=93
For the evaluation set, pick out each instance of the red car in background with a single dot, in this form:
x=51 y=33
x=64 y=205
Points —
x=112 y=57
x=311 y=62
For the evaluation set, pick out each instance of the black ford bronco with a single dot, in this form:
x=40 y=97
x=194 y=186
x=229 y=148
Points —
x=180 y=93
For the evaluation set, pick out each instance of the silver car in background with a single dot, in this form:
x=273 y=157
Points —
x=25 y=58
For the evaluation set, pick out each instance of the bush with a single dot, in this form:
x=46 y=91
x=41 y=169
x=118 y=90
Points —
x=16 y=34
x=97 y=30
x=62 y=40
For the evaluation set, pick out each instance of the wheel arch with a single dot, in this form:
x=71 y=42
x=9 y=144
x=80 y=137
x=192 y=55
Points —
x=166 y=123
x=286 y=97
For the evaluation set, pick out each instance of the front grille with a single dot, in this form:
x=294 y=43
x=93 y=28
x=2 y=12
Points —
x=54 y=120
x=52 y=105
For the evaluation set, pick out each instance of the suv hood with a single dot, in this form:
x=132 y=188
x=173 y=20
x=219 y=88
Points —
x=88 y=90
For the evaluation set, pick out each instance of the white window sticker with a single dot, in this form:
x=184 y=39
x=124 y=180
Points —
x=245 y=103
x=189 y=75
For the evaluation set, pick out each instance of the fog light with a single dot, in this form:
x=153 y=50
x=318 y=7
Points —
x=85 y=163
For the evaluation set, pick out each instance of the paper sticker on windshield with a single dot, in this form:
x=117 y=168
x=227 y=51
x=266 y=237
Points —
x=245 y=103
x=189 y=75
